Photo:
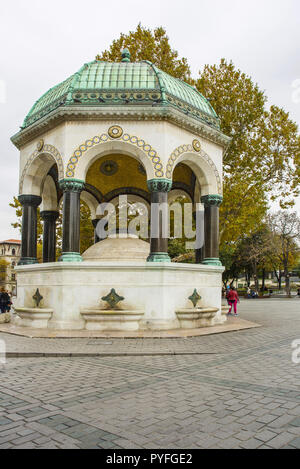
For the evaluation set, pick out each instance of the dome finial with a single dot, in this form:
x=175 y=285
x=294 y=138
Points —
x=126 y=55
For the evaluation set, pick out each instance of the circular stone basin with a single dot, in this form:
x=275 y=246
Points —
x=118 y=249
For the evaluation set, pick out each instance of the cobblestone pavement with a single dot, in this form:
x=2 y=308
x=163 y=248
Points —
x=242 y=390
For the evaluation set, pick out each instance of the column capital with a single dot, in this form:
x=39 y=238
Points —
x=30 y=200
x=71 y=185
x=51 y=215
x=160 y=185
x=212 y=200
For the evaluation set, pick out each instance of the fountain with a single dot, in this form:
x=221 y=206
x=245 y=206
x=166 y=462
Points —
x=112 y=318
x=35 y=317
x=196 y=317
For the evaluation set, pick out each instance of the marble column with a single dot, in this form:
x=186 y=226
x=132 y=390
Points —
x=29 y=204
x=159 y=189
x=72 y=189
x=211 y=229
x=49 y=235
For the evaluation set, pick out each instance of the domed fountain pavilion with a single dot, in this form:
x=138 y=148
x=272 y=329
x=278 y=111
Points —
x=116 y=129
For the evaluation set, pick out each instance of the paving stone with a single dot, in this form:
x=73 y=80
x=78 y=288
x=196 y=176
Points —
x=281 y=421
x=295 y=443
x=6 y=446
x=281 y=440
x=296 y=422
x=4 y=421
x=267 y=418
x=25 y=439
x=252 y=443
x=244 y=435
x=246 y=395
x=265 y=435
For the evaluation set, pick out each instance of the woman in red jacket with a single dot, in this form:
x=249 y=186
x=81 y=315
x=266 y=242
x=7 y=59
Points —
x=233 y=299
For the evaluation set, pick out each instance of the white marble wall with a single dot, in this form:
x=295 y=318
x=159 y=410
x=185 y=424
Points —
x=157 y=289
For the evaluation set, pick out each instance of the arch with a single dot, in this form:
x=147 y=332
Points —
x=37 y=167
x=202 y=165
x=197 y=193
x=91 y=202
x=132 y=199
x=131 y=192
x=175 y=193
x=104 y=144
x=49 y=195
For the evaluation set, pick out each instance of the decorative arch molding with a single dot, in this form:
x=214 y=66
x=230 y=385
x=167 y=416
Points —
x=110 y=137
x=46 y=149
x=130 y=191
x=196 y=150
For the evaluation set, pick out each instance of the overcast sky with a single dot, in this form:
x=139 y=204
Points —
x=42 y=43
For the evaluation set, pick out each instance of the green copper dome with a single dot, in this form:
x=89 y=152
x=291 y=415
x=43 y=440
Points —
x=100 y=84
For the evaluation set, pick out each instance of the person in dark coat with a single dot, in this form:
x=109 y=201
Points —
x=4 y=301
x=8 y=302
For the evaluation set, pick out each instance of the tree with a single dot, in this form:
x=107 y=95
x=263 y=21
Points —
x=252 y=253
x=284 y=241
x=154 y=46
x=229 y=259
x=262 y=162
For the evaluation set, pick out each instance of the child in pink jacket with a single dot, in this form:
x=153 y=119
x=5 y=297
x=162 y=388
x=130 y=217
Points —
x=233 y=299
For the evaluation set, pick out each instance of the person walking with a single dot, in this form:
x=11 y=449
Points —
x=8 y=302
x=233 y=300
x=2 y=301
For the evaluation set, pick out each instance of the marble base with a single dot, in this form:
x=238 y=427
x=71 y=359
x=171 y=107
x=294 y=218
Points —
x=97 y=320
x=232 y=325
x=196 y=317
x=157 y=289
x=33 y=317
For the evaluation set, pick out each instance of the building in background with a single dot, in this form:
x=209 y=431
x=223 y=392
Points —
x=10 y=253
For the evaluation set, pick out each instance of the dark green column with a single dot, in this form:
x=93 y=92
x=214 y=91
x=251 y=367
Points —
x=159 y=189
x=211 y=229
x=96 y=237
x=72 y=189
x=199 y=255
x=29 y=204
x=199 y=252
x=49 y=235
